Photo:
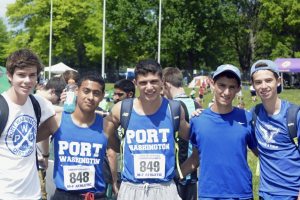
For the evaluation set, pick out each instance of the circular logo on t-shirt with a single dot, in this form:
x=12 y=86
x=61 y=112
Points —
x=20 y=138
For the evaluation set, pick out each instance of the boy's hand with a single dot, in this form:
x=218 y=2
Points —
x=197 y=112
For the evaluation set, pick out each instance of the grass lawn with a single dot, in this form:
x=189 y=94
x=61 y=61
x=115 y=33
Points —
x=292 y=95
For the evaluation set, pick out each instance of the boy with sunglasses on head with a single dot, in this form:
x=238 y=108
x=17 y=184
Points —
x=278 y=155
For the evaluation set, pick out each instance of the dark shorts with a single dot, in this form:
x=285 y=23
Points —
x=65 y=195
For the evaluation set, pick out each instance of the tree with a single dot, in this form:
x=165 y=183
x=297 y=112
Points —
x=3 y=42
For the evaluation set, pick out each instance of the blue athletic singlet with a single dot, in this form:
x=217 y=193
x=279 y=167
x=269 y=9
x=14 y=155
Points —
x=78 y=156
x=149 y=147
x=222 y=141
x=278 y=156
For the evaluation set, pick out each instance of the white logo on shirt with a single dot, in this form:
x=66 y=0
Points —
x=20 y=138
x=268 y=132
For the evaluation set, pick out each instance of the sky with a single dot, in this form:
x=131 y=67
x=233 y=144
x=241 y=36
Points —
x=3 y=6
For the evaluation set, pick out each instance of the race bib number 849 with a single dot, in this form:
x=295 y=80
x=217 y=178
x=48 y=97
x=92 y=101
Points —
x=149 y=166
x=79 y=177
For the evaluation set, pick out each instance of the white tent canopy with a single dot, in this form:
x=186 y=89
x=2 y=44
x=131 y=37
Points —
x=59 y=68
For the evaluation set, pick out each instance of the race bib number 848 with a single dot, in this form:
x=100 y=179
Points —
x=149 y=166
x=79 y=177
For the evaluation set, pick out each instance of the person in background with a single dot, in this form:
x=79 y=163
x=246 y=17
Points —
x=279 y=157
x=18 y=169
x=173 y=89
x=253 y=93
x=192 y=93
x=71 y=76
x=51 y=91
x=123 y=89
x=221 y=135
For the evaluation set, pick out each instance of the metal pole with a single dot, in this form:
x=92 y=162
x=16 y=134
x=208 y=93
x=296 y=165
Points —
x=159 y=32
x=103 y=41
x=50 y=39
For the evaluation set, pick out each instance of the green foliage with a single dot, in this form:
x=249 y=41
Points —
x=196 y=34
x=3 y=42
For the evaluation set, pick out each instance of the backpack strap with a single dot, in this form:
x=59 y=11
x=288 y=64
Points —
x=175 y=108
x=37 y=109
x=126 y=108
x=292 y=113
x=255 y=112
x=38 y=114
x=4 y=110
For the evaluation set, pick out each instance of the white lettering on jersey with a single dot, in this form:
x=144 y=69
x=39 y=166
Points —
x=79 y=148
x=147 y=135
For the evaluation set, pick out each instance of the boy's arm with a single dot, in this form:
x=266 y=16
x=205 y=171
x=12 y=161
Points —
x=111 y=123
x=184 y=126
x=190 y=164
x=48 y=127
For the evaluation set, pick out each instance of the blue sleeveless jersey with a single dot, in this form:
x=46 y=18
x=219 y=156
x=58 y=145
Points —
x=78 y=156
x=149 y=147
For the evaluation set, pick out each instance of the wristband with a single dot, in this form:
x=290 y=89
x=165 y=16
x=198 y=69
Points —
x=45 y=155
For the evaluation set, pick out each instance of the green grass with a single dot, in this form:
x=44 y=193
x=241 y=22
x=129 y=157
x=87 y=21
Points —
x=292 y=95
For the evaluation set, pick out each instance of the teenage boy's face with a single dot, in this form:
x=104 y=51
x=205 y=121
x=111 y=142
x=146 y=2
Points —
x=23 y=80
x=225 y=90
x=265 y=84
x=119 y=95
x=150 y=86
x=89 y=95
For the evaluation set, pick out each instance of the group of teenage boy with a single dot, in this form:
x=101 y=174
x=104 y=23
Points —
x=216 y=140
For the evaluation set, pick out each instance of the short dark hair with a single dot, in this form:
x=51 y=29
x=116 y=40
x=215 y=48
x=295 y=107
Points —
x=125 y=85
x=229 y=75
x=21 y=59
x=92 y=76
x=173 y=76
x=57 y=83
x=148 y=66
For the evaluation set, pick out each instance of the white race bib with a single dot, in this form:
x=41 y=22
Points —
x=149 y=166
x=79 y=177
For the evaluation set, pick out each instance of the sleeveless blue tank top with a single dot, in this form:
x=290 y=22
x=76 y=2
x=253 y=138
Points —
x=78 y=156
x=149 y=147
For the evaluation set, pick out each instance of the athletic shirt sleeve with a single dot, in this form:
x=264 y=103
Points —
x=251 y=140
x=47 y=109
x=193 y=135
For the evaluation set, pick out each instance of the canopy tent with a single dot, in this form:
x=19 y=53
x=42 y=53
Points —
x=288 y=64
x=4 y=84
x=59 y=68
x=197 y=81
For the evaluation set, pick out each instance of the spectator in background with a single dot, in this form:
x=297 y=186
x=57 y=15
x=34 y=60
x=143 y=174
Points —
x=201 y=94
x=173 y=89
x=192 y=93
x=123 y=89
x=71 y=76
x=253 y=93
x=51 y=91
